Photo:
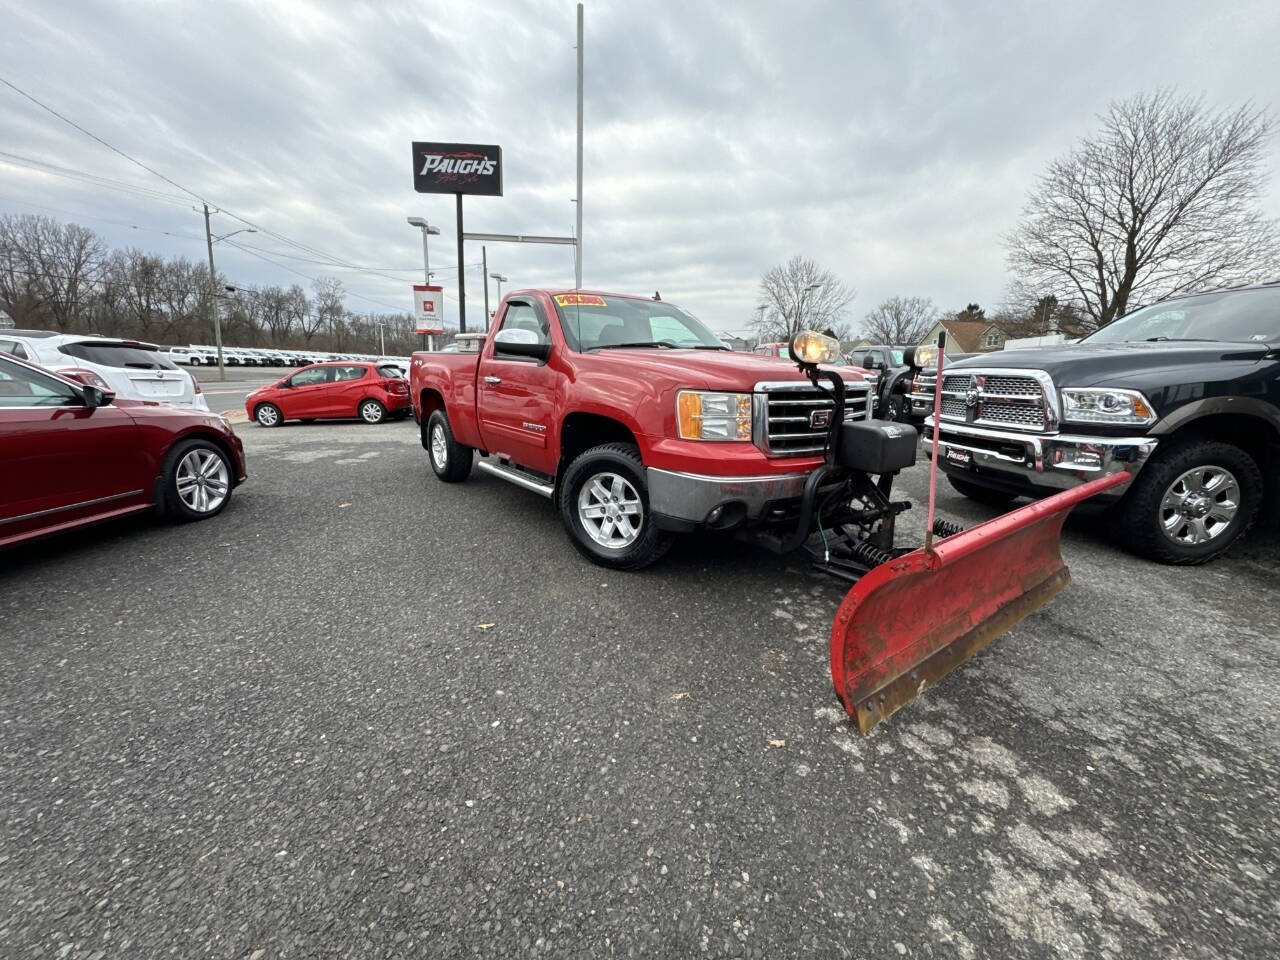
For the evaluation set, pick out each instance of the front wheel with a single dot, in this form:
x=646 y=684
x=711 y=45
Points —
x=450 y=459
x=1190 y=503
x=197 y=481
x=268 y=415
x=604 y=504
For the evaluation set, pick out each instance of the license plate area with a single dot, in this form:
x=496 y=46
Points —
x=959 y=458
x=158 y=388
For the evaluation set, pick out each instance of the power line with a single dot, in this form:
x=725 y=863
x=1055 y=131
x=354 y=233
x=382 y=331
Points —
x=282 y=266
x=53 y=169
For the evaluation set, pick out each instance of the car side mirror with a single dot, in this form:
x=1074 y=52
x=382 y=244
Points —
x=870 y=362
x=521 y=343
x=95 y=397
x=285 y=383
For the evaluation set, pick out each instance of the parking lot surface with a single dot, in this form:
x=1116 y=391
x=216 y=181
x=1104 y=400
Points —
x=363 y=713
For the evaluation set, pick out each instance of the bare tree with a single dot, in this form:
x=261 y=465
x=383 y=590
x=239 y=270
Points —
x=276 y=315
x=1163 y=199
x=798 y=295
x=900 y=320
x=327 y=304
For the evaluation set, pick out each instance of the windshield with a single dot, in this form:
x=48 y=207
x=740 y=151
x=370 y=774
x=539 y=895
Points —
x=123 y=355
x=1248 y=315
x=898 y=357
x=593 y=323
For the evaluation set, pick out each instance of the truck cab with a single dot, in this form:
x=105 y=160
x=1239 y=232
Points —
x=631 y=415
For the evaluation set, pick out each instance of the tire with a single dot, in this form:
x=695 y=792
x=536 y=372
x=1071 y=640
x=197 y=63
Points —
x=1185 y=489
x=267 y=415
x=894 y=411
x=450 y=459
x=193 y=362
x=197 y=481
x=980 y=494
x=371 y=411
x=604 y=477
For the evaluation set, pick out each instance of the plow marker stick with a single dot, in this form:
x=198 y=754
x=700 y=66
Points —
x=910 y=622
x=933 y=460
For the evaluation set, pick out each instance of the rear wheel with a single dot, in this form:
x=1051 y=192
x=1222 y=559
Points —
x=980 y=494
x=604 y=504
x=1190 y=502
x=450 y=459
x=371 y=411
x=197 y=480
x=268 y=415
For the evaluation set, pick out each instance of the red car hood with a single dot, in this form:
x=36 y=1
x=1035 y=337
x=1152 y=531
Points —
x=712 y=369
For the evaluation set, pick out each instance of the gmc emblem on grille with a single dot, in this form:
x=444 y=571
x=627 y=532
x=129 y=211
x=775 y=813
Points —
x=819 y=419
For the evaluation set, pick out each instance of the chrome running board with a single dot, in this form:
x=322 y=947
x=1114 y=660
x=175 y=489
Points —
x=515 y=476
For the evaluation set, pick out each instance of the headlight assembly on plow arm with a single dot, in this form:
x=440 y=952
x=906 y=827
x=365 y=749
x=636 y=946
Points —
x=809 y=346
x=1100 y=405
x=713 y=416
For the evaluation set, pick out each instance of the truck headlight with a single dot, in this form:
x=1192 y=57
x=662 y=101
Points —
x=713 y=416
x=809 y=346
x=1102 y=405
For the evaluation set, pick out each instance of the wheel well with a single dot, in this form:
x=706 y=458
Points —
x=582 y=431
x=1254 y=436
x=430 y=402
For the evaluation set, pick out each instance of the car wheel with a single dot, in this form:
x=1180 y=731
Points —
x=268 y=415
x=981 y=494
x=1190 y=502
x=894 y=413
x=604 y=504
x=197 y=480
x=450 y=459
x=193 y=361
x=371 y=411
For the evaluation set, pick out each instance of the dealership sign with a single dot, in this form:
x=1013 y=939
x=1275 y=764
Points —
x=428 y=305
x=457 y=168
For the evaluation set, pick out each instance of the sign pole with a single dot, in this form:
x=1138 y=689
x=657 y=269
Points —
x=484 y=273
x=462 y=275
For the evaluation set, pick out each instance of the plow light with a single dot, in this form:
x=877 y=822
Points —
x=713 y=416
x=809 y=346
x=926 y=355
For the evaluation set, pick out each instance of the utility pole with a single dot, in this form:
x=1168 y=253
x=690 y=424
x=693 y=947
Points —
x=484 y=272
x=462 y=275
x=213 y=297
x=577 y=249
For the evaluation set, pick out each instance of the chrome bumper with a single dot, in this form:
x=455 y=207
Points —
x=1053 y=461
x=691 y=497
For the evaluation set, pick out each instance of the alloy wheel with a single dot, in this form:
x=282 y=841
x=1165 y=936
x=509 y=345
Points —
x=610 y=511
x=439 y=447
x=1199 y=505
x=203 y=480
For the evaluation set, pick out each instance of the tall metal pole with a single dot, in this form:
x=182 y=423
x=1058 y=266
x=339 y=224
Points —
x=577 y=250
x=484 y=272
x=426 y=265
x=213 y=295
x=462 y=275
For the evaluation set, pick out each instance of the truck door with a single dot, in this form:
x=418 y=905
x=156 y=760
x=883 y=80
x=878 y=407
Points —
x=515 y=396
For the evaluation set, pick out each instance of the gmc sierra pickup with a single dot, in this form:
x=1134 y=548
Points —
x=631 y=416
x=1183 y=394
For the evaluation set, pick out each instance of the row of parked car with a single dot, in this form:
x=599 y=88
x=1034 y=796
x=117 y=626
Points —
x=202 y=356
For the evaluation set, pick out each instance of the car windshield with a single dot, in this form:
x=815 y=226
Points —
x=1247 y=315
x=599 y=323
x=124 y=355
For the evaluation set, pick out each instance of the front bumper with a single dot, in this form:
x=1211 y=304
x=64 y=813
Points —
x=1015 y=461
x=685 y=501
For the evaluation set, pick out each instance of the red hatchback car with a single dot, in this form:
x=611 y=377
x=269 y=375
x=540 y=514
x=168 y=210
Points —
x=72 y=455
x=338 y=390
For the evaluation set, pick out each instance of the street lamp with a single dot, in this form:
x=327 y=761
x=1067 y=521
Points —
x=808 y=290
x=427 y=230
x=501 y=280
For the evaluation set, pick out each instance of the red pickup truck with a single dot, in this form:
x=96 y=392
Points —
x=631 y=416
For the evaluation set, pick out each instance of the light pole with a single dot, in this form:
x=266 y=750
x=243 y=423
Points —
x=804 y=314
x=427 y=230
x=501 y=278
x=210 y=239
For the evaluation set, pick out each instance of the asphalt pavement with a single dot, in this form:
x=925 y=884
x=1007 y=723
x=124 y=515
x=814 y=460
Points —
x=364 y=713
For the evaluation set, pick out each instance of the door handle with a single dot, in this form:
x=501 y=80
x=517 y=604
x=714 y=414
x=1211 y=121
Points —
x=492 y=379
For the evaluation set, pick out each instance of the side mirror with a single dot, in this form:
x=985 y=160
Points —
x=95 y=397
x=286 y=382
x=869 y=361
x=521 y=343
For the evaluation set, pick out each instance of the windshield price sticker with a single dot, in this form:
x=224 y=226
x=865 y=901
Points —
x=579 y=300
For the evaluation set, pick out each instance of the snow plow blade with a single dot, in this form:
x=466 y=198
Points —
x=908 y=623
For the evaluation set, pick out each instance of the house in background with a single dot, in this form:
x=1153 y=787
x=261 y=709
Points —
x=968 y=336
x=6 y=321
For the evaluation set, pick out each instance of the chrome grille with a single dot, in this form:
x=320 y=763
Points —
x=995 y=399
x=784 y=413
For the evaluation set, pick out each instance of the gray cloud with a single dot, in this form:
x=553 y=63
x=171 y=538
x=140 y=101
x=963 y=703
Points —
x=893 y=142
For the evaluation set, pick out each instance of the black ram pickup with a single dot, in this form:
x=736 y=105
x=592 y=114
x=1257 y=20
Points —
x=1183 y=394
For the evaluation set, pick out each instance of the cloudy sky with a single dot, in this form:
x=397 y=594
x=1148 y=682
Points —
x=893 y=142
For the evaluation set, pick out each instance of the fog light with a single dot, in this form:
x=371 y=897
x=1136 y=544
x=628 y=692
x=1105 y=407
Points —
x=715 y=513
